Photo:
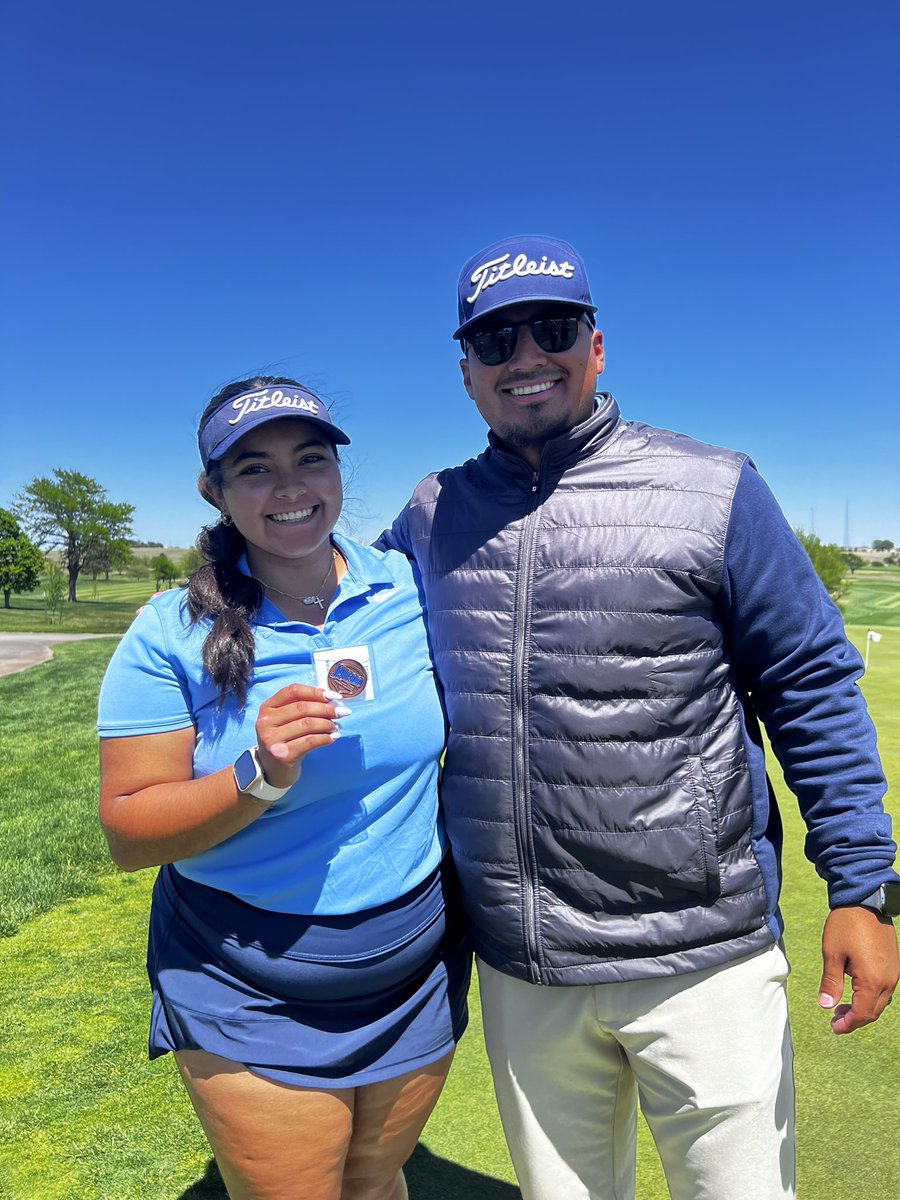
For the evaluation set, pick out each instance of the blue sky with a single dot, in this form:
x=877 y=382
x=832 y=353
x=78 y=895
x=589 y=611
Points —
x=199 y=191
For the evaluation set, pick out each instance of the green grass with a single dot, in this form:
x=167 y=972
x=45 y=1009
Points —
x=84 y=1116
x=51 y=846
x=101 y=608
x=873 y=599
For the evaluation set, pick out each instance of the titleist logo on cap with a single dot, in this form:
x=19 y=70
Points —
x=498 y=269
x=253 y=402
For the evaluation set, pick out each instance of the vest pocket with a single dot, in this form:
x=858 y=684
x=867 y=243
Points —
x=705 y=815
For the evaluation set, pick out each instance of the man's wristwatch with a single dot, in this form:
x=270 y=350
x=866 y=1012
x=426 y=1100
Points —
x=251 y=781
x=884 y=900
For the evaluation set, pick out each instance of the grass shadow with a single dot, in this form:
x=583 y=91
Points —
x=210 y=1187
x=431 y=1177
x=428 y=1176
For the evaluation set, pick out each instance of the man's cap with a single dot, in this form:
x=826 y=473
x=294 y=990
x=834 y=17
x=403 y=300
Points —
x=233 y=418
x=518 y=270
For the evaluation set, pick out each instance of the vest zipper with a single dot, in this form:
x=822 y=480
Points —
x=521 y=796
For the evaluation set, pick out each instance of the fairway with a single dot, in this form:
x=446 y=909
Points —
x=873 y=598
x=102 y=607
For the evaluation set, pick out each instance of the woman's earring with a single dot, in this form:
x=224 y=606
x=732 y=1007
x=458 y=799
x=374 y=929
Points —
x=225 y=518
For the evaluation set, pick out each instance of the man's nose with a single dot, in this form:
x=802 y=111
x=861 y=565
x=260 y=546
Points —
x=527 y=352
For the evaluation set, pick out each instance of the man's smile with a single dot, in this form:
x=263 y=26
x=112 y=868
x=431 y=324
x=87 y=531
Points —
x=531 y=389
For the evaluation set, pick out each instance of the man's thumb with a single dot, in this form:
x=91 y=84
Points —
x=830 y=991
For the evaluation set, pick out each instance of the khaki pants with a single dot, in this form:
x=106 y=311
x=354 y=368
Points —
x=708 y=1056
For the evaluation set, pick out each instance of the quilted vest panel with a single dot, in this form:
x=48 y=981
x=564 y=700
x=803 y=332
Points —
x=596 y=789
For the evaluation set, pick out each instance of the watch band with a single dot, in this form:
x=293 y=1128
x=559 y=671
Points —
x=251 y=780
x=885 y=900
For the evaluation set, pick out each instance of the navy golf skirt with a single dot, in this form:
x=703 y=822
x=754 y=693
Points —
x=328 y=1002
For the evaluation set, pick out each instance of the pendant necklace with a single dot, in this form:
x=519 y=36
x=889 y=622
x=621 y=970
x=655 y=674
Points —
x=317 y=599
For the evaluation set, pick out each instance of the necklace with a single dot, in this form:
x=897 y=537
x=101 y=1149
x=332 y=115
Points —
x=317 y=599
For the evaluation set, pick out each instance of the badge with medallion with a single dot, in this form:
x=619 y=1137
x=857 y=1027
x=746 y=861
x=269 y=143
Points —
x=346 y=670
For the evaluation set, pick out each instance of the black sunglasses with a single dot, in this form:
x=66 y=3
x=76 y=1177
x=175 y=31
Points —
x=496 y=344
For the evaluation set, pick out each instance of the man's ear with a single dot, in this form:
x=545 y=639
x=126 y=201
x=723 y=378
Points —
x=597 y=347
x=467 y=379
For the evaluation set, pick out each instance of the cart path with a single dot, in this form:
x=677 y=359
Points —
x=19 y=651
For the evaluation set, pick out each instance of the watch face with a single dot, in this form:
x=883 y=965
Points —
x=892 y=899
x=245 y=771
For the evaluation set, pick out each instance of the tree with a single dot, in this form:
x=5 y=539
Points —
x=191 y=561
x=163 y=568
x=829 y=561
x=54 y=591
x=108 y=554
x=137 y=568
x=21 y=562
x=882 y=544
x=71 y=513
x=854 y=562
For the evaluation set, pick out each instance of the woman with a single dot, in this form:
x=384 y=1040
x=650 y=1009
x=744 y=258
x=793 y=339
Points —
x=271 y=740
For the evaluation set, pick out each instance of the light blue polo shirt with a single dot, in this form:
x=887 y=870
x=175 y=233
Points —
x=361 y=826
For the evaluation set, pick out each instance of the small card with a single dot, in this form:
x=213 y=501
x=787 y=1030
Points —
x=347 y=670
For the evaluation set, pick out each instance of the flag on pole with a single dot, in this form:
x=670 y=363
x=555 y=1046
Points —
x=871 y=636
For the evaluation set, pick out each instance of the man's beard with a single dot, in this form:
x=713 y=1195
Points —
x=533 y=434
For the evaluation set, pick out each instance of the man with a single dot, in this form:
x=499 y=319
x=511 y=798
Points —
x=613 y=610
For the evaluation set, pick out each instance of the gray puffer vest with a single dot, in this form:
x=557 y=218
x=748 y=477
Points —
x=596 y=788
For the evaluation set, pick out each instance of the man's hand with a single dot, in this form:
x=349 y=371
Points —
x=862 y=944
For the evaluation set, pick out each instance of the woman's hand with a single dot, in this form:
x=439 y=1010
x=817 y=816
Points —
x=294 y=721
x=154 y=811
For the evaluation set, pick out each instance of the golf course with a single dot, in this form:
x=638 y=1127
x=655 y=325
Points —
x=85 y=1116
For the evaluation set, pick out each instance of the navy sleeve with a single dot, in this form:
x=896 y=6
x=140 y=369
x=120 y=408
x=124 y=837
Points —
x=397 y=537
x=791 y=655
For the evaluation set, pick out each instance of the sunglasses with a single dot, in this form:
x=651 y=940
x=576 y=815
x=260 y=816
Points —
x=494 y=345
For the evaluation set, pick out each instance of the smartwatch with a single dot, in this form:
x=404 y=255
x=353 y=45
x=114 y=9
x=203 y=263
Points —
x=251 y=780
x=884 y=900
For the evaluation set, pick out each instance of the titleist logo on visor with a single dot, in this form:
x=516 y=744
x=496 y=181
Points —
x=253 y=402
x=498 y=269
x=237 y=415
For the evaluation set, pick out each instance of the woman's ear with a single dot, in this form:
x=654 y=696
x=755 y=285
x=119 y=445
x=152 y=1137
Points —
x=210 y=492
